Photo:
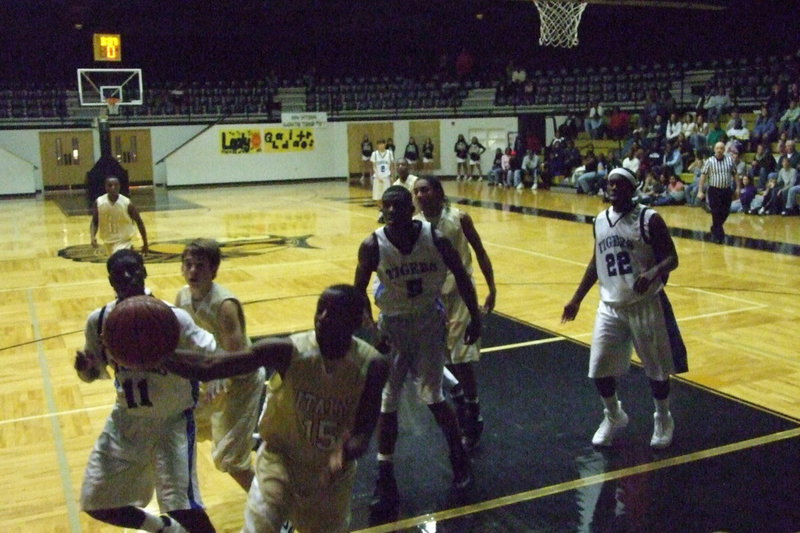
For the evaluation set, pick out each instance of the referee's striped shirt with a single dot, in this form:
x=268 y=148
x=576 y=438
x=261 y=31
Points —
x=720 y=172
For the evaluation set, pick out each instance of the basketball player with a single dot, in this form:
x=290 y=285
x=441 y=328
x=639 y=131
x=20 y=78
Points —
x=149 y=439
x=459 y=229
x=633 y=256
x=318 y=418
x=382 y=172
x=113 y=215
x=410 y=259
x=403 y=177
x=229 y=408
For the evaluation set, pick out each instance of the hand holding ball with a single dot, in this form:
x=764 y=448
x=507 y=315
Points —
x=140 y=332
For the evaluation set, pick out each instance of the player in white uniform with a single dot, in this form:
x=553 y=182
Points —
x=113 y=216
x=382 y=170
x=318 y=418
x=633 y=256
x=403 y=177
x=227 y=408
x=459 y=229
x=410 y=259
x=148 y=441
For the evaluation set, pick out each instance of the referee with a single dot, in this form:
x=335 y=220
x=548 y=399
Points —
x=720 y=171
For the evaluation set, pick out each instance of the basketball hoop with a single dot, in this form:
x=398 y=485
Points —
x=113 y=105
x=559 y=22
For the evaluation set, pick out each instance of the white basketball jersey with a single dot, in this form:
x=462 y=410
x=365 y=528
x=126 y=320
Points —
x=412 y=282
x=383 y=163
x=114 y=222
x=623 y=251
x=449 y=224
x=154 y=393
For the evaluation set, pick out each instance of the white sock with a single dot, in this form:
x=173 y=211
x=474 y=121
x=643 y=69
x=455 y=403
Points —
x=662 y=406
x=386 y=457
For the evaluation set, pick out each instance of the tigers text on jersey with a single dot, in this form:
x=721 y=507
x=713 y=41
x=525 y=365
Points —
x=622 y=252
x=409 y=283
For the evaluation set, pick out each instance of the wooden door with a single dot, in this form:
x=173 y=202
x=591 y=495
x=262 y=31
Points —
x=132 y=149
x=66 y=158
x=355 y=134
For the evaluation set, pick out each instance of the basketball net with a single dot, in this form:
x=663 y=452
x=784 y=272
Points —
x=113 y=105
x=559 y=22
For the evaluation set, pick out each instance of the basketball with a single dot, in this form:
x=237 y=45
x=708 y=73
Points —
x=140 y=332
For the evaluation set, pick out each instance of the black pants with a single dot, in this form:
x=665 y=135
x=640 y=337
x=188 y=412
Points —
x=719 y=200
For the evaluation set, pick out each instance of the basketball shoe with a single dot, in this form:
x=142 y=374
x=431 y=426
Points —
x=386 y=497
x=612 y=422
x=462 y=470
x=663 y=427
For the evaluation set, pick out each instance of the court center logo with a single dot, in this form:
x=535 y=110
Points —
x=170 y=251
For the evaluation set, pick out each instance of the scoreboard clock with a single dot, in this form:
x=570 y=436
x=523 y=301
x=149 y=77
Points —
x=107 y=47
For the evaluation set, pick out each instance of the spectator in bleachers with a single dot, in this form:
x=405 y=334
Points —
x=688 y=125
x=782 y=138
x=461 y=147
x=791 y=199
x=791 y=154
x=762 y=166
x=494 y=175
x=744 y=202
x=514 y=177
x=634 y=160
x=673 y=128
x=788 y=121
x=554 y=161
x=765 y=202
x=696 y=167
x=650 y=188
x=699 y=135
x=734 y=117
x=674 y=194
x=777 y=102
x=595 y=170
x=390 y=145
x=475 y=152
x=718 y=103
x=787 y=178
x=765 y=129
x=686 y=150
x=411 y=154
x=654 y=159
x=572 y=158
x=666 y=104
x=530 y=168
x=593 y=123
x=651 y=109
x=738 y=137
x=427 y=157
x=672 y=158
x=655 y=133
x=715 y=134
x=618 y=124
x=739 y=163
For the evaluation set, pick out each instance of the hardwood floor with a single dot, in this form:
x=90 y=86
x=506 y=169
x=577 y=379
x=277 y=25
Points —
x=737 y=305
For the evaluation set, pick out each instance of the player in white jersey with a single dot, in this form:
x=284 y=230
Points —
x=113 y=215
x=633 y=256
x=228 y=409
x=318 y=418
x=148 y=441
x=459 y=229
x=403 y=177
x=382 y=170
x=410 y=259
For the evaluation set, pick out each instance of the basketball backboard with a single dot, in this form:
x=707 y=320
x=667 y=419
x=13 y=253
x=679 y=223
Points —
x=97 y=85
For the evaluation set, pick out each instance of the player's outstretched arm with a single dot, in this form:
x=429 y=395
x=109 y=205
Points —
x=273 y=353
x=137 y=218
x=587 y=282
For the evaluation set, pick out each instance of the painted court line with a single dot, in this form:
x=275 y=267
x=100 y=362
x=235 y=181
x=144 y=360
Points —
x=582 y=482
x=58 y=437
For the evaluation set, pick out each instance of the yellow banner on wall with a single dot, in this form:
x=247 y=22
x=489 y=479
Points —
x=240 y=141
x=288 y=140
